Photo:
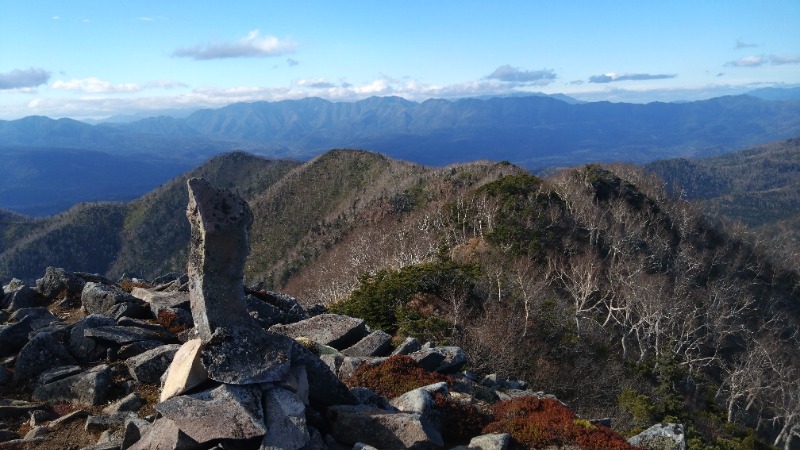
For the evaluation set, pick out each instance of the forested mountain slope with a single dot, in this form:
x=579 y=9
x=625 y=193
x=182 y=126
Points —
x=596 y=270
x=759 y=186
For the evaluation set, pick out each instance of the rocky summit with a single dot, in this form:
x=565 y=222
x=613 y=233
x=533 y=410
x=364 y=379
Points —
x=95 y=364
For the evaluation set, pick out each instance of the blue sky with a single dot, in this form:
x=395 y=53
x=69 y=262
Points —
x=94 y=59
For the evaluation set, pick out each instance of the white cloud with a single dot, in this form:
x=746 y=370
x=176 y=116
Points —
x=760 y=60
x=94 y=85
x=319 y=83
x=741 y=44
x=784 y=59
x=614 y=76
x=23 y=79
x=510 y=74
x=253 y=45
x=748 y=61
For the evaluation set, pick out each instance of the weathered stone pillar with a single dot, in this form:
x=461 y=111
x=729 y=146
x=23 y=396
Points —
x=218 y=248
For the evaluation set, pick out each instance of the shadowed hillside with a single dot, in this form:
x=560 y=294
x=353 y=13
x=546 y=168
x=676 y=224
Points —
x=759 y=186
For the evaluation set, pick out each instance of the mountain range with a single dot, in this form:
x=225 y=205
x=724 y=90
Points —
x=535 y=132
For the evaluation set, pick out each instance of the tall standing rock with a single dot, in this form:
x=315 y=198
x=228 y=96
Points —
x=218 y=248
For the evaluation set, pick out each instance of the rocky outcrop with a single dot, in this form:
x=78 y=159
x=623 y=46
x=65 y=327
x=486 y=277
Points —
x=218 y=249
x=661 y=436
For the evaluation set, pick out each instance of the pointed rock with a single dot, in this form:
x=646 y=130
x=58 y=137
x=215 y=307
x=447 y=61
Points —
x=218 y=248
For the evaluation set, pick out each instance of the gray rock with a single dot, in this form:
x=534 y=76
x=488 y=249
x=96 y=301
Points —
x=291 y=310
x=86 y=349
x=164 y=434
x=100 y=298
x=40 y=316
x=124 y=335
x=666 y=436
x=377 y=343
x=5 y=375
x=91 y=387
x=329 y=329
x=420 y=400
x=148 y=367
x=382 y=429
x=265 y=314
x=218 y=249
x=41 y=353
x=133 y=430
x=58 y=282
x=136 y=348
x=158 y=300
x=349 y=364
x=410 y=345
x=454 y=359
x=58 y=373
x=14 y=336
x=497 y=441
x=4 y=315
x=225 y=412
x=13 y=285
x=104 y=422
x=285 y=421
x=129 y=309
x=430 y=359
x=8 y=435
x=325 y=388
x=130 y=403
x=24 y=297
x=297 y=382
x=247 y=355
x=367 y=397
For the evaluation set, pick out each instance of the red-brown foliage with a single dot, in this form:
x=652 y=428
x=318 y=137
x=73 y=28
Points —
x=169 y=320
x=460 y=421
x=537 y=423
x=393 y=377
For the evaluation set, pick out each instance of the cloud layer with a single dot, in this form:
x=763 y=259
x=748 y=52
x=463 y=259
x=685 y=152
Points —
x=516 y=75
x=22 y=79
x=613 y=76
x=251 y=46
x=760 y=60
x=94 y=85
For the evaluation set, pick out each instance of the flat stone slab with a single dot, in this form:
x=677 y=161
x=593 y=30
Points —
x=335 y=330
x=381 y=428
x=91 y=387
x=225 y=412
x=246 y=355
x=124 y=335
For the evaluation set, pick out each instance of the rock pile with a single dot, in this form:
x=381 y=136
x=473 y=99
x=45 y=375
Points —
x=201 y=362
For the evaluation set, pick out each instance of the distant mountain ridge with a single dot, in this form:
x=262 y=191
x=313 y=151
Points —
x=535 y=132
